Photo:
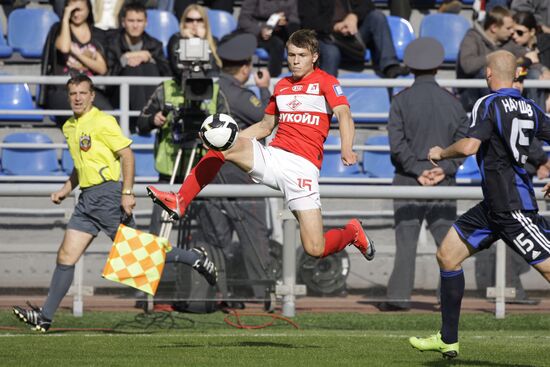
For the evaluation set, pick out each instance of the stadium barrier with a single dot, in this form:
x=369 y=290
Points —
x=289 y=289
x=124 y=83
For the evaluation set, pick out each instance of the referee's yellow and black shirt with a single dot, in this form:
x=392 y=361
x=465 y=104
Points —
x=93 y=141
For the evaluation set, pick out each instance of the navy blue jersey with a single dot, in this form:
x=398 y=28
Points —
x=506 y=123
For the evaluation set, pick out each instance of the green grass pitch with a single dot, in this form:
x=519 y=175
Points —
x=324 y=339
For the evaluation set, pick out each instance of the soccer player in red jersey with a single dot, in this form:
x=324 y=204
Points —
x=301 y=106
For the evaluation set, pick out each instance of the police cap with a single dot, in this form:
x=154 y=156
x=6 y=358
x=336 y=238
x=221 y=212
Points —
x=237 y=47
x=424 y=53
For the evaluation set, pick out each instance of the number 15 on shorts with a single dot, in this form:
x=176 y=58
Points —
x=304 y=183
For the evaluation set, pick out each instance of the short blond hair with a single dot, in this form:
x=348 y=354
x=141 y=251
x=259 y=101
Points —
x=502 y=64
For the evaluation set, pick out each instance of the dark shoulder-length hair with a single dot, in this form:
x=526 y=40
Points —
x=90 y=19
x=527 y=19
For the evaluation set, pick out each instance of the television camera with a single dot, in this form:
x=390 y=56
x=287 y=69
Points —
x=194 y=63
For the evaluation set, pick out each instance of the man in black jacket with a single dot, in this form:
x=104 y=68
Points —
x=272 y=22
x=132 y=52
x=333 y=18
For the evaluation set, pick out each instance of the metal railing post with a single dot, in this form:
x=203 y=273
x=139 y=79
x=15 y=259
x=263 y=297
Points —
x=125 y=108
x=289 y=265
x=289 y=289
x=78 y=299
x=500 y=280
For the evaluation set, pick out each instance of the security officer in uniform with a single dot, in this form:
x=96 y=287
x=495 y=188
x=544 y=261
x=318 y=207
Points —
x=421 y=116
x=245 y=216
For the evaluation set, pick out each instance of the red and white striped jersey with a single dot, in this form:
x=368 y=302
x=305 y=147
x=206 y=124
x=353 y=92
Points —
x=304 y=108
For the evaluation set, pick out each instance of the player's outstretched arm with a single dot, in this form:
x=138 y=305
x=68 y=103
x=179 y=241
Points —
x=347 y=134
x=460 y=149
x=261 y=129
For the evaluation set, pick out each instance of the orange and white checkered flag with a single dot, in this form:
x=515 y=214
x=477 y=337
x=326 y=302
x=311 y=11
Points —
x=136 y=259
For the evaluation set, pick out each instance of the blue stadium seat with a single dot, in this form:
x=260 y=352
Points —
x=30 y=162
x=28 y=29
x=469 y=169
x=67 y=163
x=375 y=163
x=221 y=23
x=161 y=25
x=5 y=49
x=402 y=34
x=145 y=159
x=449 y=29
x=17 y=97
x=332 y=162
x=367 y=99
x=262 y=54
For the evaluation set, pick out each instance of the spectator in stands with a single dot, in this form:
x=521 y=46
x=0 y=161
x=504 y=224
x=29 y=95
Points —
x=181 y=5
x=272 y=22
x=193 y=23
x=477 y=44
x=421 y=116
x=354 y=22
x=9 y=6
x=106 y=14
x=540 y=8
x=132 y=52
x=71 y=48
x=526 y=32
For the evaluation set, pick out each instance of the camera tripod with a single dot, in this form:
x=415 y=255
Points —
x=231 y=211
x=166 y=226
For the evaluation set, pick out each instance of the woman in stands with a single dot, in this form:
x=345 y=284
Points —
x=526 y=33
x=73 y=47
x=194 y=24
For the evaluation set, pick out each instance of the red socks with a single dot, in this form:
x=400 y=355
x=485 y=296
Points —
x=201 y=175
x=337 y=239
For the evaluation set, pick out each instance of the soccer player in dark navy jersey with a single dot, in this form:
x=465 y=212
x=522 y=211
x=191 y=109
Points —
x=503 y=125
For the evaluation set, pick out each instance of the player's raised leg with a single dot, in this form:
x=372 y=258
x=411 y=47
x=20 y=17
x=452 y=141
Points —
x=241 y=153
x=544 y=269
x=319 y=244
x=450 y=255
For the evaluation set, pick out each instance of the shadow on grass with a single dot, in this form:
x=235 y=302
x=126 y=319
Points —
x=156 y=321
x=415 y=305
x=244 y=344
x=460 y=362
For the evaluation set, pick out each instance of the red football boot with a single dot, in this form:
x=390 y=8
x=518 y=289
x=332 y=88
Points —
x=169 y=201
x=362 y=241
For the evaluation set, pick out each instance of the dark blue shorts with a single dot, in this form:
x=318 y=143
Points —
x=526 y=232
x=98 y=209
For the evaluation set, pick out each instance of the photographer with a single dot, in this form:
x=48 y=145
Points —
x=246 y=216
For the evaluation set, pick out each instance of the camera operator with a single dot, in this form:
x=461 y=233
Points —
x=246 y=216
x=165 y=112
x=162 y=113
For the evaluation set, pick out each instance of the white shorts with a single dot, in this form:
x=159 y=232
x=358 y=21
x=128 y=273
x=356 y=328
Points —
x=296 y=177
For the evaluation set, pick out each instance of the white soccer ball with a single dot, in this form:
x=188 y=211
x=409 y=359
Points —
x=219 y=131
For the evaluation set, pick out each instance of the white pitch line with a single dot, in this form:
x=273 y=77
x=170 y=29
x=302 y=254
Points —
x=192 y=336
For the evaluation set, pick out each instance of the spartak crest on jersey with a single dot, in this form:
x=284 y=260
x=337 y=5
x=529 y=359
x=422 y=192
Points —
x=294 y=104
